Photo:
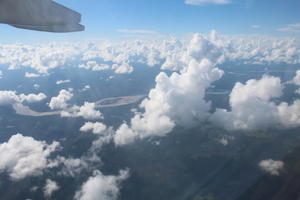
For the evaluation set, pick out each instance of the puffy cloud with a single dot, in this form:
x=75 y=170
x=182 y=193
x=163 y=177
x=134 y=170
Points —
x=96 y=128
x=86 y=87
x=10 y=97
x=203 y=2
x=94 y=66
x=60 y=101
x=41 y=58
x=31 y=98
x=292 y=28
x=170 y=51
x=23 y=156
x=176 y=99
x=87 y=111
x=102 y=187
x=59 y=82
x=123 y=68
x=125 y=135
x=289 y=115
x=252 y=107
x=31 y=75
x=50 y=188
x=70 y=166
x=271 y=166
x=36 y=86
x=296 y=79
x=224 y=141
x=263 y=50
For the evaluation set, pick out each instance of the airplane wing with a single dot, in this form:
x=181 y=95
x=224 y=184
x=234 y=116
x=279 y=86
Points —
x=40 y=15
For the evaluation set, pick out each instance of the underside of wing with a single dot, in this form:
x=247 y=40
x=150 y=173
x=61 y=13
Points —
x=53 y=28
x=41 y=15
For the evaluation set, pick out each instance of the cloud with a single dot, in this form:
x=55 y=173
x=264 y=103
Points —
x=23 y=156
x=50 y=188
x=289 y=115
x=252 y=107
x=60 y=101
x=224 y=141
x=31 y=75
x=86 y=87
x=87 y=111
x=70 y=166
x=204 y=2
x=102 y=187
x=136 y=31
x=296 y=79
x=178 y=98
x=263 y=50
x=41 y=58
x=96 y=128
x=123 y=68
x=292 y=28
x=1 y=74
x=32 y=98
x=94 y=66
x=36 y=86
x=9 y=97
x=256 y=26
x=59 y=82
x=271 y=166
x=170 y=51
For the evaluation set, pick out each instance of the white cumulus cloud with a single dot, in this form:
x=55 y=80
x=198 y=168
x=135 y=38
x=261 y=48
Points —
x=250 y=105
x=23 y=156
x=10 y=97
x=123 y=68
x=176 y=99
x=59 y=82
x=87 y=111
x=96 y=128
x=271 y=166
x=101 y=186
x=31 y=75
x=253 y=107
x=60 y=101
x=50 y=187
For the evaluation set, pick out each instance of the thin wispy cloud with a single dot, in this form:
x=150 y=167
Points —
x=136 y=31
x=292 y=28
x=256 y=26
x=204 y=2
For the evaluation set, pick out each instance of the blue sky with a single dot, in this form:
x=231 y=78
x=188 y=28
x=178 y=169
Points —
x=103 y=18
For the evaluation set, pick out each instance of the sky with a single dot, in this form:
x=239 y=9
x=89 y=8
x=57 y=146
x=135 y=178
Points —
x=127 y=18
